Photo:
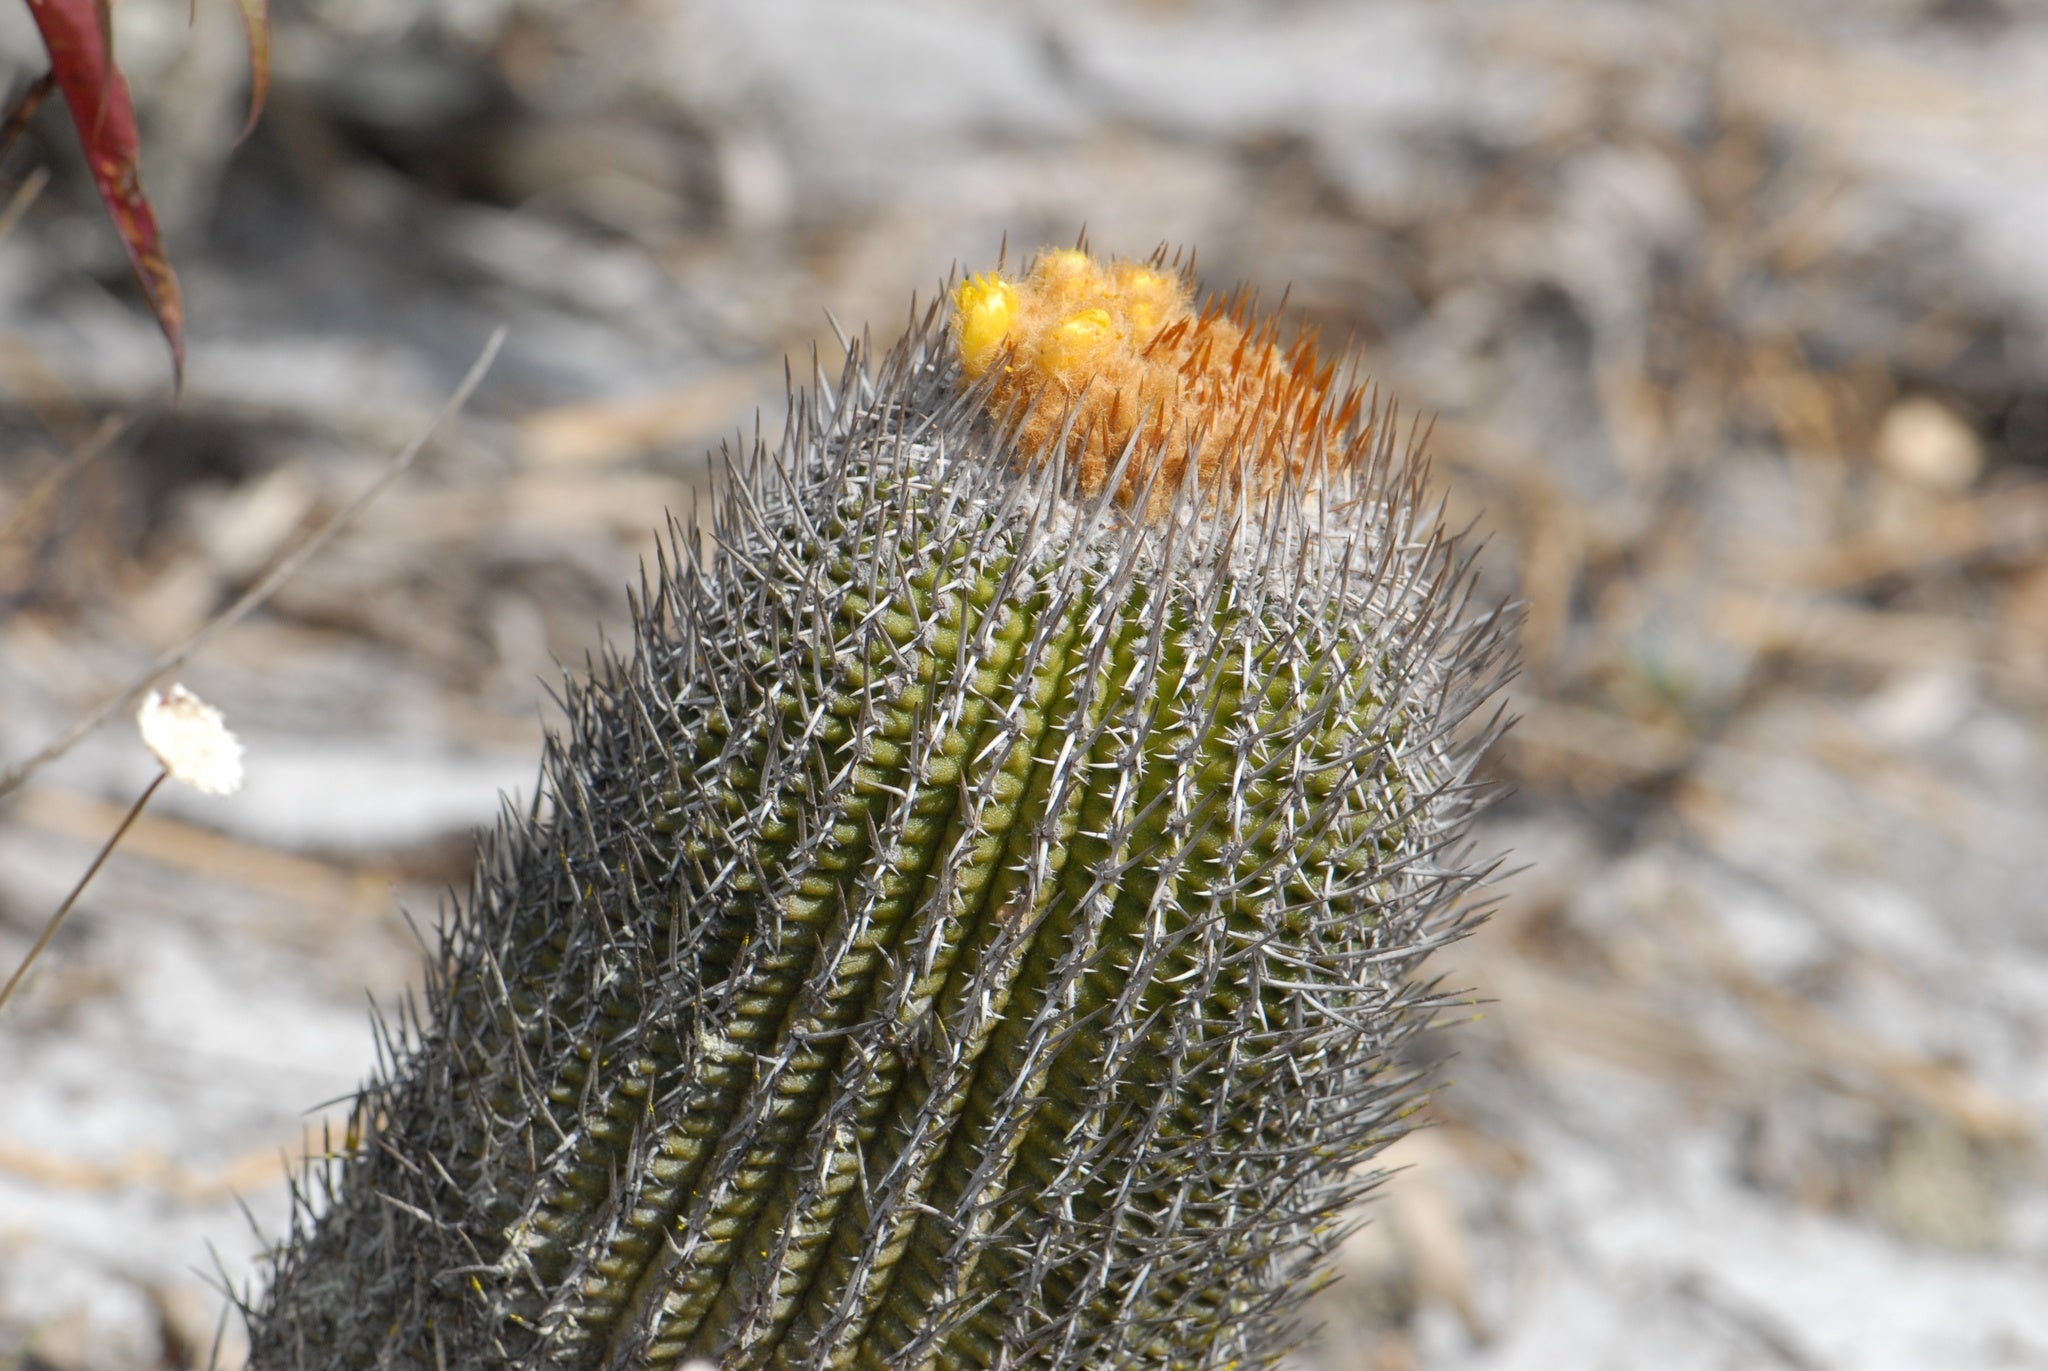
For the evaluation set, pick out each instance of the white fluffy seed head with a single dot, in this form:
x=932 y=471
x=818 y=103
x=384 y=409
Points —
x=192 y=741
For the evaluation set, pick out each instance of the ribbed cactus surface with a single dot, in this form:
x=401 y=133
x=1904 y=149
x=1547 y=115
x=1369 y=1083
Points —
x=970 y=928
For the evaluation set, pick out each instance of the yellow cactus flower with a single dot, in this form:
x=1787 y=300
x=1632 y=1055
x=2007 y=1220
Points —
x=985 y=307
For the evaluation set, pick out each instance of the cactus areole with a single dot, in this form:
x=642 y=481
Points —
x=975 y=925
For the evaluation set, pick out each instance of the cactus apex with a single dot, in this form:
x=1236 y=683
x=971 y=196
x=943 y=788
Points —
x=1117 y=365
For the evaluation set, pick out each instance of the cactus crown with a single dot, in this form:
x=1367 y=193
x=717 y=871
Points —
x=973 y=925
x=1112 y=366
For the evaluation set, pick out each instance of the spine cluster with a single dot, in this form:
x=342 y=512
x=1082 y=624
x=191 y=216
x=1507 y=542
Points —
x=972 y=927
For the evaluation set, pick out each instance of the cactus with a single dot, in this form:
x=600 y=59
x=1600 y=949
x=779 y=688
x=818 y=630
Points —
x=975 y=923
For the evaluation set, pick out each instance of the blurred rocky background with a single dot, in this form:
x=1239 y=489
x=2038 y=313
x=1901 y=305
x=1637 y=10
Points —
x=1730 y=317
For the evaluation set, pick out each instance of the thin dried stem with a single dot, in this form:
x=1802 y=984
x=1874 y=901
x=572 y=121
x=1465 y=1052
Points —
x=78 y=459
x=64 y=910
x=286 y=568
x=26 y=194
x=24 y=110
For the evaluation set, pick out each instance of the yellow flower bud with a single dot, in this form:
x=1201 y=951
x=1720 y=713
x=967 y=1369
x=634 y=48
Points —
x=1077 y=341
x=985 y=307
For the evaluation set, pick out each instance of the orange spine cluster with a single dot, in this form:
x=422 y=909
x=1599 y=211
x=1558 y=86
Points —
x=1114 y=359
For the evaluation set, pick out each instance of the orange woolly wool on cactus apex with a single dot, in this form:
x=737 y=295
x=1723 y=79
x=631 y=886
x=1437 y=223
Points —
x=1111 y=357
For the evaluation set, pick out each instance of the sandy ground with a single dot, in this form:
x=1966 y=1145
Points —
x=1731 y=318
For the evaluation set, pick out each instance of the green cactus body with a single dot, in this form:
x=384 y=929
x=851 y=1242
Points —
x=972 y=928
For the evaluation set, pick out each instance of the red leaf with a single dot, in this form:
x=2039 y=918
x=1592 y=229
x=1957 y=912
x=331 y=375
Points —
x=77 y=35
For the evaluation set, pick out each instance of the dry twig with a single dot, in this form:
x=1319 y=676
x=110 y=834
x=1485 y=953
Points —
x=286 y=568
